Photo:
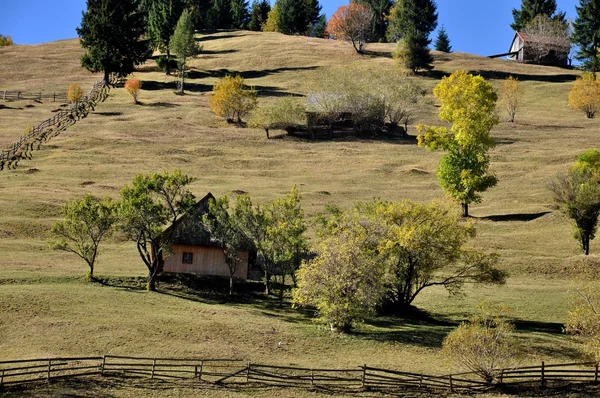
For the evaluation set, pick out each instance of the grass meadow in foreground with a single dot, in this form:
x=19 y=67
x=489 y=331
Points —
x=46 y=310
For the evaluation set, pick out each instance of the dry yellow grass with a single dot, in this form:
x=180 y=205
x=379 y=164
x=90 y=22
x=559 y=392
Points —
x=107 y=149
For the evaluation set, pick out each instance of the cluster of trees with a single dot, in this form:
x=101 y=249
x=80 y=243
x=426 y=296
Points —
x=381 y=255
x=296 y=17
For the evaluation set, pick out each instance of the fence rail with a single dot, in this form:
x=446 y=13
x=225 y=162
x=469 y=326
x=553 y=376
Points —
x=232 y=372
x=22 y=96
x=49 y=128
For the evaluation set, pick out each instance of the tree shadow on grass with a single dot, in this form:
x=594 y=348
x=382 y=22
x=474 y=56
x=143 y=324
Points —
x=217 y=52
x=377 y=54
x=515 y=217
x=208 y=35
x=153 y=85
x=497 y=75
x=249 y=74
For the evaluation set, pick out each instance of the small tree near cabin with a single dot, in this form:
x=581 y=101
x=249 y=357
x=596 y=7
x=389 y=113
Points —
x=468 y=103
x=87 y=221
x=232 y=99
x=344 y=282
x=183 y=43
x=152 y=204
x=353 y=23
x=545 y=35
x=223 y=228
x=577 y=195
x=510 y=96
x=285 y=114
x=484 y=345
x=585 y=95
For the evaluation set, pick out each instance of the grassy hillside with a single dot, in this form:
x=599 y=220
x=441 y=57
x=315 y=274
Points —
x=48 y=313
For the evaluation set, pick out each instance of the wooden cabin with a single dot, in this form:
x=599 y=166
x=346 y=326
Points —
x=556 y=51
x=193 y=251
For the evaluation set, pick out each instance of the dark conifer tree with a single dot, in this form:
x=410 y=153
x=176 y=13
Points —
x=240 y=15
x=162 y=19
x=292 y=17
x=219 y=15
x=111 y=32
x=532 y=8
x=259 y=14
x=586 y=34
x=442 y=43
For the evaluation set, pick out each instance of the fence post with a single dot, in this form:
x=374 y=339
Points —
x=542 y=381
x=4 y=96
x=421 y=381
x=1 y=380
x=153 y=368
x=18 y=94
x=312 y=377
x=103 y=365
x=363 y=377
x=54 y=97
x=200 y=373
x=596 y=373
x=49 y=368
x=501 y=375
x=451 y=384
x=248 y=373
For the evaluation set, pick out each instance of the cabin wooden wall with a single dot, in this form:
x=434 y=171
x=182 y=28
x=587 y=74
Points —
x=207 y=261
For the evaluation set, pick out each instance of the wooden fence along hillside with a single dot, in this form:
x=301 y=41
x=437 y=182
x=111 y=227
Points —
x=22 y=96
x=54 y=126
x=236 y=372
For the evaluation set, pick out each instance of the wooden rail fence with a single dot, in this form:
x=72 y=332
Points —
x=53 y=126
x=232 y=372
x=22 y=96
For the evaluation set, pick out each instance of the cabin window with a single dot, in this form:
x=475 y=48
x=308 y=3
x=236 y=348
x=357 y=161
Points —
x=188 y=258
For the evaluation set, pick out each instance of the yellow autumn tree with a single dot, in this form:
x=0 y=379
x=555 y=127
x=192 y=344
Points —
x=585 y=95
x=5 y=41
x=74 y=92
x=133 y=87
x=272 y=23
x=232 y=99
x=510 y=95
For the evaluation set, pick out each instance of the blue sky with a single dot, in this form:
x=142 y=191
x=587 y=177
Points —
x=474 y=26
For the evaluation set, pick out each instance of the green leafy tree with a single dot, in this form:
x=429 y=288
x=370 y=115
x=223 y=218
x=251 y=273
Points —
x=240 y=14
x=219 y=15
x=259 y=14
x=162 y=19
x=586 y=34
x=344 y=282
x=468 y=103
x=285 y=114
x=112 y=33
x=531 y=9
x=483 y=345
x=442 y=42
x=183 y=43
x=577 y=195
x=223 y=228
x=420 y=245
x=87 y=221
x=150 y=207
x=380 y=10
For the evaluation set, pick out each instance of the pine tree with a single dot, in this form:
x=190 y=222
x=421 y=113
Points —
x=313 y=17
x=162 y=19
x=292 y=17
x=586 y=34
x=199 y=10
x=183 y=43
x=239 y=14
x=442 y=43
x=219 y=15
x=110 y=31
x=259 y=14
x=318 y=29
x=381 y=10
x=532 y=8
x=414 y=20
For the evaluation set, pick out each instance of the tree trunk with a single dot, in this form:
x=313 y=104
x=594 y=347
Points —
x=267 y=130
x=168 y=67
x=106 y=77
x=465 y=208
x=585 y=243
x=151 y=285
x=182 y=76
x=231 y=285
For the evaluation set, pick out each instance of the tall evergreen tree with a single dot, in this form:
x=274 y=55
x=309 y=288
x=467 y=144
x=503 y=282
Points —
x=162 y=19
x=239 y=14
x=442 y=43
x=414 y=20
x=292 y=17
x=381 y=10
x=219 y=15
x=199 y=10
x=532 y=8
x=259 y=14
x=111 y=31
x=183 y=43
x=318 y=29
x=313 y=14
x=586 y=34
